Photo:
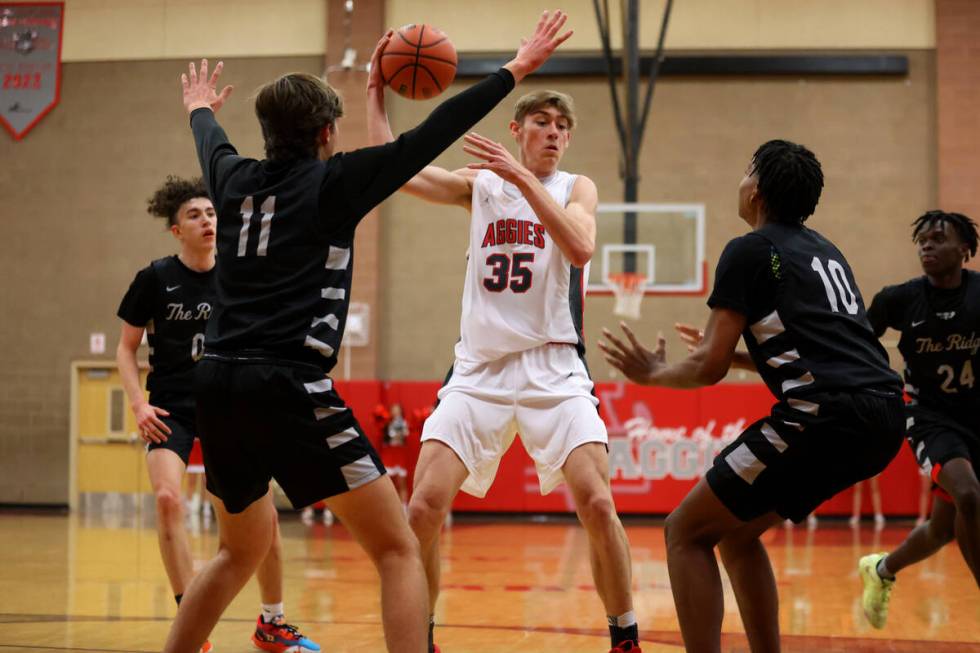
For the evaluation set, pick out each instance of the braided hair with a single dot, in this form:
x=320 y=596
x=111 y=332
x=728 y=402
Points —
x=790 y=180
x=964 y=226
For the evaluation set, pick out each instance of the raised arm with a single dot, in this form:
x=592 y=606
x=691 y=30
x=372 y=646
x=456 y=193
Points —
x=432 y=183
x=374 y=173
x=202 y=100
x=572 y=226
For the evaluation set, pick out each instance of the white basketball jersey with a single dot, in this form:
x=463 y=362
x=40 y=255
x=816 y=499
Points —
x=520 y=290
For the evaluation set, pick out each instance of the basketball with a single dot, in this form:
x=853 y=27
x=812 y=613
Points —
x=419 y=62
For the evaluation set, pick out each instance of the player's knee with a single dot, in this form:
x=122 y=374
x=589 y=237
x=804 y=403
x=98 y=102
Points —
x=399 y=550
x=967 y=500
x=673 y=529
x=425 y=512
x=597 y=511
x=169 y=504
x=941 y=532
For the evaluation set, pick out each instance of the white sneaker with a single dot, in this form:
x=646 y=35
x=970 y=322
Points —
x=327 y=517
x=811 y=521
x=879 y=521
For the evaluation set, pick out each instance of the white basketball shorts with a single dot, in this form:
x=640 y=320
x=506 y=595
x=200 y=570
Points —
x=544 y=394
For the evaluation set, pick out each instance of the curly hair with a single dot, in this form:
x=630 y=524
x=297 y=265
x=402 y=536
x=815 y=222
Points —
x=963 y=225
x=167 y=200
x=790 y=180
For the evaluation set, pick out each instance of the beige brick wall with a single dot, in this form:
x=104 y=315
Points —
x=958 y=105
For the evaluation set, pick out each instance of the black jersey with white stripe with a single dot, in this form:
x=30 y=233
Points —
x=286 y=228
x=807 y=331
x=940 y=340
x=173 y=303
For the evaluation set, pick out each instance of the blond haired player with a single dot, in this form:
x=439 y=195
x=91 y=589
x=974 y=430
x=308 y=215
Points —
x=520 y=365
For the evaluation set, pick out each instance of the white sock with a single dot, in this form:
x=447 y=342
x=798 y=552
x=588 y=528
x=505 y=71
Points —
x=270 y=611
x=624 y=620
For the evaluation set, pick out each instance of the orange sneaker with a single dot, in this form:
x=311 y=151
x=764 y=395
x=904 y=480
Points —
x=280 y=637
x=208 y=647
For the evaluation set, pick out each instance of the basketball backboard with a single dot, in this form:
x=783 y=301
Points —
x=662 y=242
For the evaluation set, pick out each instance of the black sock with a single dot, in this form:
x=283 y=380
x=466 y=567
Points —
x=620 y=634
x=432 y=626
x=177 y=598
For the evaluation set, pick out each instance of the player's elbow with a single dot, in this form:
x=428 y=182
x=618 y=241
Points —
x=710 y=372
x=581 y=254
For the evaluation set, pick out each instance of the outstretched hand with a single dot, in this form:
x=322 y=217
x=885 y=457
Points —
x=201 y=91
x=535 y=50
x=690 y=334
x=376 y=81
x=496 y=157
x=633 y=359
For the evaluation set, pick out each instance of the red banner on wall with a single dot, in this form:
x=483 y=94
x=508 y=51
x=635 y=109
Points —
x=30 y=63
x=661 y=441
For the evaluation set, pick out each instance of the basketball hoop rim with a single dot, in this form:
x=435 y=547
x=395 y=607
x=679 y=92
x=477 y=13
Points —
x=627 y=281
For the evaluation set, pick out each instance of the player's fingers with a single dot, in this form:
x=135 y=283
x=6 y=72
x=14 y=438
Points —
x=616 y=359
x=216 y=73
x=473 y=151
x=203 y=72
x=153 y=434
x=478 y=166
x=661 y=342
x=616 y=342
x=161 y=411
x=473 y=137
x=637 y=345
x=183 y=80
x=225 y=92
x=614 y=363
x=556 y=22
x=158 y=425
x=192 y=73
x=564 y=37
x=542 y=22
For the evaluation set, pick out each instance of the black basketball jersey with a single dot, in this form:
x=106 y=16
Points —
x=286 y=228
x=173 y=303
x=813 y=336
x=940 y=341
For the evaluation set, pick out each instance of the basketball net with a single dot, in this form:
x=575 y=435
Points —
x=628 y=288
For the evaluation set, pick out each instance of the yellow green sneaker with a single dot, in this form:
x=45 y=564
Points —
x=877 y=590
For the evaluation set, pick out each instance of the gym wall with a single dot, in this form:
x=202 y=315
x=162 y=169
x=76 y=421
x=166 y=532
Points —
x=74 y=189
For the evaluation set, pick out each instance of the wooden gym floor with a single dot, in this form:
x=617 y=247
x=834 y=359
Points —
x=83 y=583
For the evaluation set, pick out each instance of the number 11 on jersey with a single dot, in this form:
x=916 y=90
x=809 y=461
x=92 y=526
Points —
x=268 y=210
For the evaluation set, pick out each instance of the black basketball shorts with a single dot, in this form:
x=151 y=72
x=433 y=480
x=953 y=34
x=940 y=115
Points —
x=936 y=439
x=792 y=461
x=181 y=421
x=261 y=418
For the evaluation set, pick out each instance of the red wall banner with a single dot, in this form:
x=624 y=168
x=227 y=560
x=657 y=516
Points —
x=660 y=443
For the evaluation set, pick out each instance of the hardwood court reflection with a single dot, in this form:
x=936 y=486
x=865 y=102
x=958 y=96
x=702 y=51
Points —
x=95 y=583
